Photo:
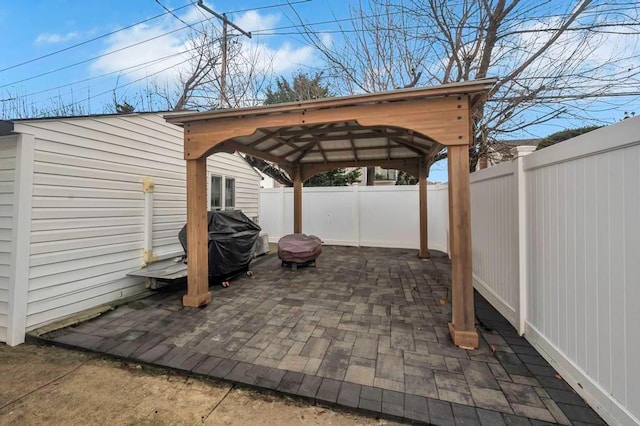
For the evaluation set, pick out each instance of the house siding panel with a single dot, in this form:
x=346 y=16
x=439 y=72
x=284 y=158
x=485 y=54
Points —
x=7 y=182
x=88 y=206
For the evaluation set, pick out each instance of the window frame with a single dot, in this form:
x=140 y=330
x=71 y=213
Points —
x=222 y=182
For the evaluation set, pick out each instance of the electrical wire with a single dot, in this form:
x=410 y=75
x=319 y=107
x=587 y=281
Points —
x=54 y=111
x=128 y=27
x=258 y=32
x=91 y=39
x=180 y=19
x=130 y=70
x=131 y=45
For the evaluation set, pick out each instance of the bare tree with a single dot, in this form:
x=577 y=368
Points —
x=199 y=85
x=551 y=58
x=16 y=106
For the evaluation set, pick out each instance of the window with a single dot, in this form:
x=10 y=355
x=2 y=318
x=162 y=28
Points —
x=385 y=174
x=223 y=193
x=216 y=192
x=229 y=193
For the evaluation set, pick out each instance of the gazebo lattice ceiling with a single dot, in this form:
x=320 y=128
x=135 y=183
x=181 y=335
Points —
x=401 y=129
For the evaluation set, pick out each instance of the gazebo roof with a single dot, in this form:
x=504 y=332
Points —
x=283 y=135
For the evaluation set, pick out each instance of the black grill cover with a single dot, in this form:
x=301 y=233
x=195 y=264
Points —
x=232 y=237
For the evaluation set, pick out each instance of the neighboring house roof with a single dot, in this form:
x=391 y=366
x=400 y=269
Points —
x=501 y=150
x=114 y=114
x=6 y=126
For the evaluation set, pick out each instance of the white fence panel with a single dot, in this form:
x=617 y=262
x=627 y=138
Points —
x=390 y=217
x=438 y=217
x=331 y=214
x=359 y=216
x=494 y=232
x=556 y=249
x=584 y=265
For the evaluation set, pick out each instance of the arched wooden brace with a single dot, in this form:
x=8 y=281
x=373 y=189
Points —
x=445 y=119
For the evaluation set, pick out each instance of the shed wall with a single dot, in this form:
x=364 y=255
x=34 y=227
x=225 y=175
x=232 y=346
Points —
x=7 y=191
x=88 y=206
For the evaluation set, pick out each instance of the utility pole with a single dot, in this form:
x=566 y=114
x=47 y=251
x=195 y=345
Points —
x=223 y=72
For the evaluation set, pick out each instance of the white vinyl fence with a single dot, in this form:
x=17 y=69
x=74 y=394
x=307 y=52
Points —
x=556 y=248
x=374 y=216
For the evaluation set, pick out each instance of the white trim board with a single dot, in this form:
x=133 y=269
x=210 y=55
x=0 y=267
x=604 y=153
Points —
x=19 y=281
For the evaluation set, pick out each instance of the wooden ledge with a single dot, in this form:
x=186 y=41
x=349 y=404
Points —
x=464 y=339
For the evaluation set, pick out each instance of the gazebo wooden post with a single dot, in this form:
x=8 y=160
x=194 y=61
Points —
x=424 y=235
x=297 y=200
x=198 y=293
x=462 y=328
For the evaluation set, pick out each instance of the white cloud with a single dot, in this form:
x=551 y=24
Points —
x=253 y=21
x=271 y=58
x=54 y=38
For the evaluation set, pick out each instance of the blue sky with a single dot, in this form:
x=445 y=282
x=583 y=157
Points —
x=36 y=28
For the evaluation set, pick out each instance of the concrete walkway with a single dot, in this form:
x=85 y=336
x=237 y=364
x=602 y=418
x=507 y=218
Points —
x=366 y=329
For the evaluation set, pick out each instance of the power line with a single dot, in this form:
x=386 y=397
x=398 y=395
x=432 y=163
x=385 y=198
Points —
x=575 y=97
x=119 y=87
x=92 y=39
x=270 y=6
x=142 y=64
x=223 y=71
x=180 y=19
x=172 y=12
x=92 y=58
x=120 y=49
x=263 y=7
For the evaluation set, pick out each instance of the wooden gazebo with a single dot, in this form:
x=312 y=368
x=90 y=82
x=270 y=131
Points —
x=401 y=129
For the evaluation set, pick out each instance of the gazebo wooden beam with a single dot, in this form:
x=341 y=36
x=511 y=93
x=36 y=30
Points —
x=233 y=146
x=297 y=200
x=353 y=147
x=320 y=130
x=327 y=138
x=422 y=187
x=363 y=148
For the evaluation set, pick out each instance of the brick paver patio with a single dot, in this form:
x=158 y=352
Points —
x=366 y=329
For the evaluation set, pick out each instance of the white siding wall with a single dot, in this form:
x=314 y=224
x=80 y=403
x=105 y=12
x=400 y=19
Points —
x=494 y=226
x=88 y=206
x=7 y=178
x=247 y=180
x=376 y=216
